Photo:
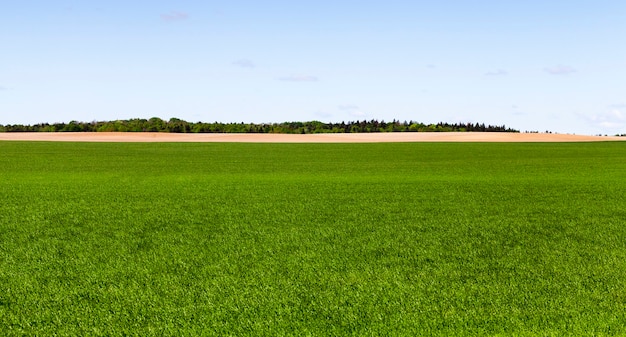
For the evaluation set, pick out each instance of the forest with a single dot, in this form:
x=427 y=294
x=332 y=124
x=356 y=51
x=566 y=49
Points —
x=175 y=125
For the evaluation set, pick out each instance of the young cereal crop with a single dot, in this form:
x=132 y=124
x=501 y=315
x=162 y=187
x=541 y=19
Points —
x=409 y=239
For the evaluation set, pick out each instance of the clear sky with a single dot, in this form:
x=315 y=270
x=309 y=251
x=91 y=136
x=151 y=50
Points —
x=532 y=65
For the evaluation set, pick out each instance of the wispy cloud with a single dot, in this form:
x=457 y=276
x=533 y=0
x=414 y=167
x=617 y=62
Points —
x=3 y=88
x=614 y=118
x=358 y=113
x=299 y=78
x=244 y=63
x=323 y=114
x=347 y=107
x=173 y=16
x=560 y=70
x=498 y=72
x=516 y=111
x=352 y=110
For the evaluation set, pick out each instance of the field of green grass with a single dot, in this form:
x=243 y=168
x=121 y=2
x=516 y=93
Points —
x=413 y=239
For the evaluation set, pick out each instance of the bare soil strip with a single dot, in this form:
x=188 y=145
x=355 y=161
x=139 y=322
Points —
x=307 y=138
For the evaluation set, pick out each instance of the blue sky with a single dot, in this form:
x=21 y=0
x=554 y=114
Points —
x=532 y=65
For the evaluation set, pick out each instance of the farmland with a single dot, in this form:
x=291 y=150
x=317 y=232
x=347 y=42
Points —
x=312 y=239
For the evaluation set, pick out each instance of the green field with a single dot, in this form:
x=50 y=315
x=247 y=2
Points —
x=413 y=239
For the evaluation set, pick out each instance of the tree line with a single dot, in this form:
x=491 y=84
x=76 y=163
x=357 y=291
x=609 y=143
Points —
x=175 y=125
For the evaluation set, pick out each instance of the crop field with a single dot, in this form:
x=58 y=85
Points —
x=393 y=239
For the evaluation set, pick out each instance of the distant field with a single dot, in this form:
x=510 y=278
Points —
x=372 y=137
x=377 y=239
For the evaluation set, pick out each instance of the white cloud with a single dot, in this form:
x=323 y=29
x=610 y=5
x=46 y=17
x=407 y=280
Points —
x=347 y=107
x=515 y=110
x=323 y=114
x=498 y=72
x=352 y=110
x=615 y=118
x=244 y=63
x=299 y=78
x=174 y=16
x=560 y=70
x=358 y=114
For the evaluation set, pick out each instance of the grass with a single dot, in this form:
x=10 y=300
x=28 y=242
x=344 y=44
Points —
x=312 y=239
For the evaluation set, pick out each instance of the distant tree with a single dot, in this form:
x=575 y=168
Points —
x=177 y=125
x=73 y=126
